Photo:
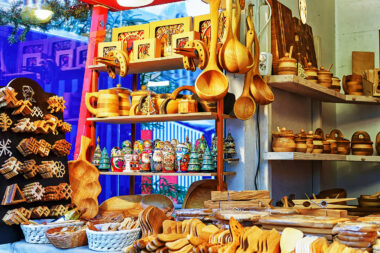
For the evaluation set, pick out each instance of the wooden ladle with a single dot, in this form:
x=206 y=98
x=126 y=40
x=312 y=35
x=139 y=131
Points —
x=245 y=107
x=260 y=90
x=212 y=84
x=234 y=56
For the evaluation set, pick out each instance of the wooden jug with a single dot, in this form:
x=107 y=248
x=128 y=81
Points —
x=107 y=104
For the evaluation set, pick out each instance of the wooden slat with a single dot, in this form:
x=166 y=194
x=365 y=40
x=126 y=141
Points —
x=239 y=195
x=303 y=156
x=148 y=65
x=303 y=87
x=301 y=221
x=324 y=212
x=188 y=174
x=157 y=118
x=237 y=204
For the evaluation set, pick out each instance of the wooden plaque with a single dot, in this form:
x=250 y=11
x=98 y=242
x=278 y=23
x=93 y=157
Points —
x=146 y=49
x=128 y=34
x=105 y=47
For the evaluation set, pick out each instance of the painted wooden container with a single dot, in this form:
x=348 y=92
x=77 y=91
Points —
x=283 y=141
x=361 y=144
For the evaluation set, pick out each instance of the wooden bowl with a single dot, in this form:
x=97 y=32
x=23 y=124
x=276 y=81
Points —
x=158 y=200
x=369 y=202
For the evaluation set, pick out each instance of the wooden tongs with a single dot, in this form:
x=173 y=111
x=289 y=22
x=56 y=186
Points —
x=321 y=203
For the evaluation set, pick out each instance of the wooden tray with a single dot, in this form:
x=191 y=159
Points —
x=84 y=180
x=199 y=192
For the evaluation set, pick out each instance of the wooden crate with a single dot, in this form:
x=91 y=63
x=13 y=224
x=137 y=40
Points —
x=371 y=82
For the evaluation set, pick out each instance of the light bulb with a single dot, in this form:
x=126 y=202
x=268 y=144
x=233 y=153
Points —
x=43 y=15
x=134 y=3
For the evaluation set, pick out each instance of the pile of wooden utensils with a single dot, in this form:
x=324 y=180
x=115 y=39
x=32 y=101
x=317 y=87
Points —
x=234 y=57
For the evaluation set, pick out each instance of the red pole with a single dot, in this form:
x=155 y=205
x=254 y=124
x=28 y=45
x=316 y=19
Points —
x=219 y=136
x=97 y=34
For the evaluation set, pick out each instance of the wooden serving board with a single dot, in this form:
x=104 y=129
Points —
x=302 y=221
x=362 y=61
x=239 y=195
x=247 y=204
x=199 y=192
x=84 y=180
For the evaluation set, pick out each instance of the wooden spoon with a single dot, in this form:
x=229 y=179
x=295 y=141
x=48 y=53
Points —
x=212 y=84
x=234 y=56
x=260 y=91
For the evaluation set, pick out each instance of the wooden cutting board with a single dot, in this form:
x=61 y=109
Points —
x=239 y=195
x=302 y=221
x=199 y=192
x=84 y=181
x=362 y=61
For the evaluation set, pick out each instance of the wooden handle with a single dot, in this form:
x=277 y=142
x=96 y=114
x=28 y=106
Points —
x=356 y=136
x=330 y=67
x=336 y=134
x=236 y=19
x=290 y=51
x=84 y=144
x=214 y=13
x=319 y=132
x=88 y=97
x=257 y=53
x=286 y=202
x=182 y=88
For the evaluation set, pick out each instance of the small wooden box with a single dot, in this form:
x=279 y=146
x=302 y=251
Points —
x=187 y=106
x=371 y=82
x=165 y=29
x=105 y=47
x=179 y=40
x=128 y=34
x=146 y=49
x=202 y=24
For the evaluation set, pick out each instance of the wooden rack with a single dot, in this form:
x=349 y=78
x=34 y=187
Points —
x=318 y=157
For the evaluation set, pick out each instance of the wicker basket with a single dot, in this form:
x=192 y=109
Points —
x=66 y=240
x=36 y=233
x=111 y=240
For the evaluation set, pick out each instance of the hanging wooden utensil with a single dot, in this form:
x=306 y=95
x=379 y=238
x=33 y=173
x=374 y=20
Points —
x=212 y=84
x=260 y=91
x=234 y=56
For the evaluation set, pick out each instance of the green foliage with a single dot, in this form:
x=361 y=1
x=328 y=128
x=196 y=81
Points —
x=163 y=187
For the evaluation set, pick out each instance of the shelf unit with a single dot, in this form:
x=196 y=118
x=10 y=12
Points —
x=188 y=174
x=297 y=105
x=87 y=124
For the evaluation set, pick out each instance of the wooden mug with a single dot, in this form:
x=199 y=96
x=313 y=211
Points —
x=107 y=103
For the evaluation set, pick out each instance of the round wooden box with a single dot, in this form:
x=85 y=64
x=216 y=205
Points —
x=301 y=142
x=311 y=73
x=287 y=65
x=343 y=145
x=283 y=141
x=361 y=144
x=335 y=84
x=325 y=77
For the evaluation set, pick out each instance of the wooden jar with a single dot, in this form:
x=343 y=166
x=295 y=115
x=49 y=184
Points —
x=335 y=84
x=377 y=145
x=301 y=141
x=361 y=144
x=325 y=77
x=319 y=139
x=332 y=144
x=353 y=84
x=283 y=141
x=107 y=103
x=124 y=99
x=343 y=145
x=311 y=73
x=309 y=142
x=287 y=65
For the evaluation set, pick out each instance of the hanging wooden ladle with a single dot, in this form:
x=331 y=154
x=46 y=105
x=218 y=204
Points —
x=260 y=90
x=234 y=56
x=245 y=107
x=212 y=84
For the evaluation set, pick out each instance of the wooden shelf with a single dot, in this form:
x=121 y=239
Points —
x=188 y=174
x=318 y=157
x=148 y=65
x=301 y=86
x=159 y=118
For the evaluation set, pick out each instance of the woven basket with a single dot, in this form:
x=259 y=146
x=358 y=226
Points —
x=66 y=240
x=36 y=233
x=111 y=240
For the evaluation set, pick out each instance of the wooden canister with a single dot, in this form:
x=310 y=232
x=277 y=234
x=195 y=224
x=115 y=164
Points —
x=309 y=142
x=343 y=145
x=353 y=84
x=361 y=144
x=335 y=84
x=377 y=145
x=124 y=99
x=300 y=140
x=318 y=141
x=283 y=141
x=287 y=65
x=325 y=77
x=311 y=73
x=187 y=106
x=332 y=144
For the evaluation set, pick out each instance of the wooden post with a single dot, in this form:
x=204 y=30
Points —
x=219 y=135
x=97 y=34
x=133 y=138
